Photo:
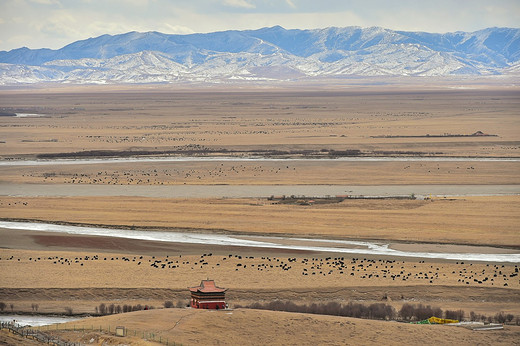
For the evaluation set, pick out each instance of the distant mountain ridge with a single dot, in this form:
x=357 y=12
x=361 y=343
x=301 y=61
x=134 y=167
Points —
x=266 y=54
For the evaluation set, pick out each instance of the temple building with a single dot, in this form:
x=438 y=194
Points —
x=208 y=296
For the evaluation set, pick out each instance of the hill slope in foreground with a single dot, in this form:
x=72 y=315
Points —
x=256 y=327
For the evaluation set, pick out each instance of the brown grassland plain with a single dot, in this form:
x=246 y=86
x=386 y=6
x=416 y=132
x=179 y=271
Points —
x=141 y=119
x=268 y=172
x=81 y=122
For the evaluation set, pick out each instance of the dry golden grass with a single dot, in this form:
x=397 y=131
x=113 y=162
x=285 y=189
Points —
x=83 y=279
x=457 y=220
x=10 y=339
x=268 y=173
x=147 y=119
x=137 y=272
x=256 y=327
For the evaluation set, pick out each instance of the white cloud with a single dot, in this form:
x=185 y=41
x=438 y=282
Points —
x=239 y=3
x=14 y=41
x=46 y=2
x=177 y=29
x=287 y=20
x=290 y=3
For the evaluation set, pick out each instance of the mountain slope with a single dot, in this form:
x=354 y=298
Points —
x=267 y=53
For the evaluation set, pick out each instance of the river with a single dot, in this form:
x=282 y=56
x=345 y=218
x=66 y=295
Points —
x=255 y=191
x=112 y=160
x=382 y=248
x=36 y=320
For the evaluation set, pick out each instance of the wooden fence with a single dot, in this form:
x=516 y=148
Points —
x=35 y=334
x=43 y=333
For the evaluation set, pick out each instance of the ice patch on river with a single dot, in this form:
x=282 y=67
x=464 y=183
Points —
x=36 y=320
x=320 y=245
x=29 y=115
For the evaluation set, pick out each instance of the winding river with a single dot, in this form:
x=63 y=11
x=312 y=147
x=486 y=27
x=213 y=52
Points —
x=255 y=191
x=320 y=245
x=112 y=160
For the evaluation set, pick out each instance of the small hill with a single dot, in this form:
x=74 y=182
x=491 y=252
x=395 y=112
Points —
x=257 y=327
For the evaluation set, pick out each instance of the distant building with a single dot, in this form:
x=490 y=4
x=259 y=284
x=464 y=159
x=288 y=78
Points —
x=208 y=296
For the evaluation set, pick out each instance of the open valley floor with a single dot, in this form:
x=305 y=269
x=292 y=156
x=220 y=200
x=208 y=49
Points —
x=129 y=196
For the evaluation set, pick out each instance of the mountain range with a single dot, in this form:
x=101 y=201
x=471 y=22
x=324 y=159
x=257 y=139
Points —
x=271 y=53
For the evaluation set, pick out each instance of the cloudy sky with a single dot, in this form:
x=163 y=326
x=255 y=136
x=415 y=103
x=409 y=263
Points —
x=55 y=23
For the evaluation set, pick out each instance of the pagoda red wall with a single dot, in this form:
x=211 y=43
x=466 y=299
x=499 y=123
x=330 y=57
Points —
x=207 y=305
x=212 y=305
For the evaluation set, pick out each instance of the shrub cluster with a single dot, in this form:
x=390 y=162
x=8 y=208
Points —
x=379 y=311
x=500 y=317
x=3 y=306
x=419 y=312
x=104 y=309
x=454 y=314
x=180 y=304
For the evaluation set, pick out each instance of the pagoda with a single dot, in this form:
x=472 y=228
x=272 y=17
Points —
x=208 y=296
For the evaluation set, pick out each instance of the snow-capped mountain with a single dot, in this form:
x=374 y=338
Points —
x=266 y=54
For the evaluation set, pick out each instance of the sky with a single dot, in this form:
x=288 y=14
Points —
x=56 y=23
